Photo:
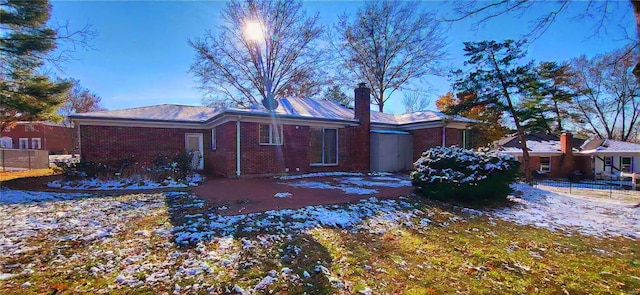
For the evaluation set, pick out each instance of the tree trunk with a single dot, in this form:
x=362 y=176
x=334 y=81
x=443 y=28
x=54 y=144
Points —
x=521 y=134
x=636 y=12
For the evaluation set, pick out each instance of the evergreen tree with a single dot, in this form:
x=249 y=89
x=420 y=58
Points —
x=334 y=93
x=497 y=81
x=546 y=104
x=25 y=94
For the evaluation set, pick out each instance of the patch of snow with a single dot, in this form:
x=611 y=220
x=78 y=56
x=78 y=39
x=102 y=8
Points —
x=10 y=196
x=352 y=190
x=318 y=174
x=377 y=181
x=282 y=195
x=124 y=184
x=553 y=211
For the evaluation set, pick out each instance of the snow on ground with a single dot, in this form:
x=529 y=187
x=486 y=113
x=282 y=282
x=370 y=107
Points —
x=348 y=189
x=542 y=208
x=124 y=184
x=9 y=196
x=377 y=181
x=29 y=218
x=351 y=185
x=283 y=195
x=318 y=174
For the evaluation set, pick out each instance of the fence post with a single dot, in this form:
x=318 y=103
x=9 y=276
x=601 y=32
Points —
x=570 y=188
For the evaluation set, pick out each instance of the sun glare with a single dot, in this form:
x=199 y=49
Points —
x=254 y=31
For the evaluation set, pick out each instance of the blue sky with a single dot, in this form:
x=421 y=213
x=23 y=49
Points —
x=142 y=57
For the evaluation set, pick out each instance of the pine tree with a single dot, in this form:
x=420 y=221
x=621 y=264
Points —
x=25 y=94
x=498 y=81
x=334 y=94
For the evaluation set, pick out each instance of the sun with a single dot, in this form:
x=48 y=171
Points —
x=254 y=31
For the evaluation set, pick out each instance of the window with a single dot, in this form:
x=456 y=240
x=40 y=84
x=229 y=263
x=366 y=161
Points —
x=23 y=143
x=270 y=134
x=36 y=143
x=29 y=127
x=608 y=162
x=626 y=164
x=466 y=138
x=213 y=139
x=545 y=164
x=324 y=146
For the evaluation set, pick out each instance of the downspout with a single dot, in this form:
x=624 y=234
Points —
x=78 y=142
x=238 y=146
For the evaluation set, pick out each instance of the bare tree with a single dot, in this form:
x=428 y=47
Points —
x=264 y=50
x=414 y=101
x=388 y=45
x=548 y=12
x=79 y=100
x=609 y=100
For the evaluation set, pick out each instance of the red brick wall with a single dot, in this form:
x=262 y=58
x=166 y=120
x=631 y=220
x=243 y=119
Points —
x=55 y=139
x=424 y=139
x=453 y=137
x=534 y=165
x=222 y=160
x=295 y=154
x=110 y=144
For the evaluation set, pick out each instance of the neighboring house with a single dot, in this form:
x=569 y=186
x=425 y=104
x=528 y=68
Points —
x=561 y=156
x=300 y=135
x=610 y=157
x=55 y=138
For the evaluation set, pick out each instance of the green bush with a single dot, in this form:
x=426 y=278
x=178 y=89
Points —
x=456 y=174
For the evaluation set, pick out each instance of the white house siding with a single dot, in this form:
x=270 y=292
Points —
x=599 y=164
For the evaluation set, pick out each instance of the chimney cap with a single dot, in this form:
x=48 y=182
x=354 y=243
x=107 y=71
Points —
x=362 y=85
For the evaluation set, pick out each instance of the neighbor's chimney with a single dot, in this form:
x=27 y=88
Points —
x=565 y=143
x=362 y=97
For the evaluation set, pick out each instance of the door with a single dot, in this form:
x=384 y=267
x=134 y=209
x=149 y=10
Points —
x=193 y=143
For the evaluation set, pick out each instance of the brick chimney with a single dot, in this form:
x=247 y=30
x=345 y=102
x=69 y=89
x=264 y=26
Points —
x=360 y=139
x=568 y=163
x=362 y=97
x=565 y=143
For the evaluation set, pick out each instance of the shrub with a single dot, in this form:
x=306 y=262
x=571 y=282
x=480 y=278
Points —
x=73 y=170
x=177 y=167
x=456 y=174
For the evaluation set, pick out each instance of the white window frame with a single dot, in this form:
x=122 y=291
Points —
x=622 y=165
x=271 y=138
x=33 y=143
x=322 y=147
x=26 y=141
x=548 y=166
x=213 y=139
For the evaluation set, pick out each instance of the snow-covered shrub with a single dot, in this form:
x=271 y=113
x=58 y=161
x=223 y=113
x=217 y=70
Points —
x=453 y=173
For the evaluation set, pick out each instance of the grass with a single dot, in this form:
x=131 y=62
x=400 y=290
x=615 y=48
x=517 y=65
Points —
x=9 y=175
x=469 y=255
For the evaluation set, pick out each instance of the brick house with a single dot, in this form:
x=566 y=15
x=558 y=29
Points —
x=300 y=135
x=57 y=139
x=561 y=156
